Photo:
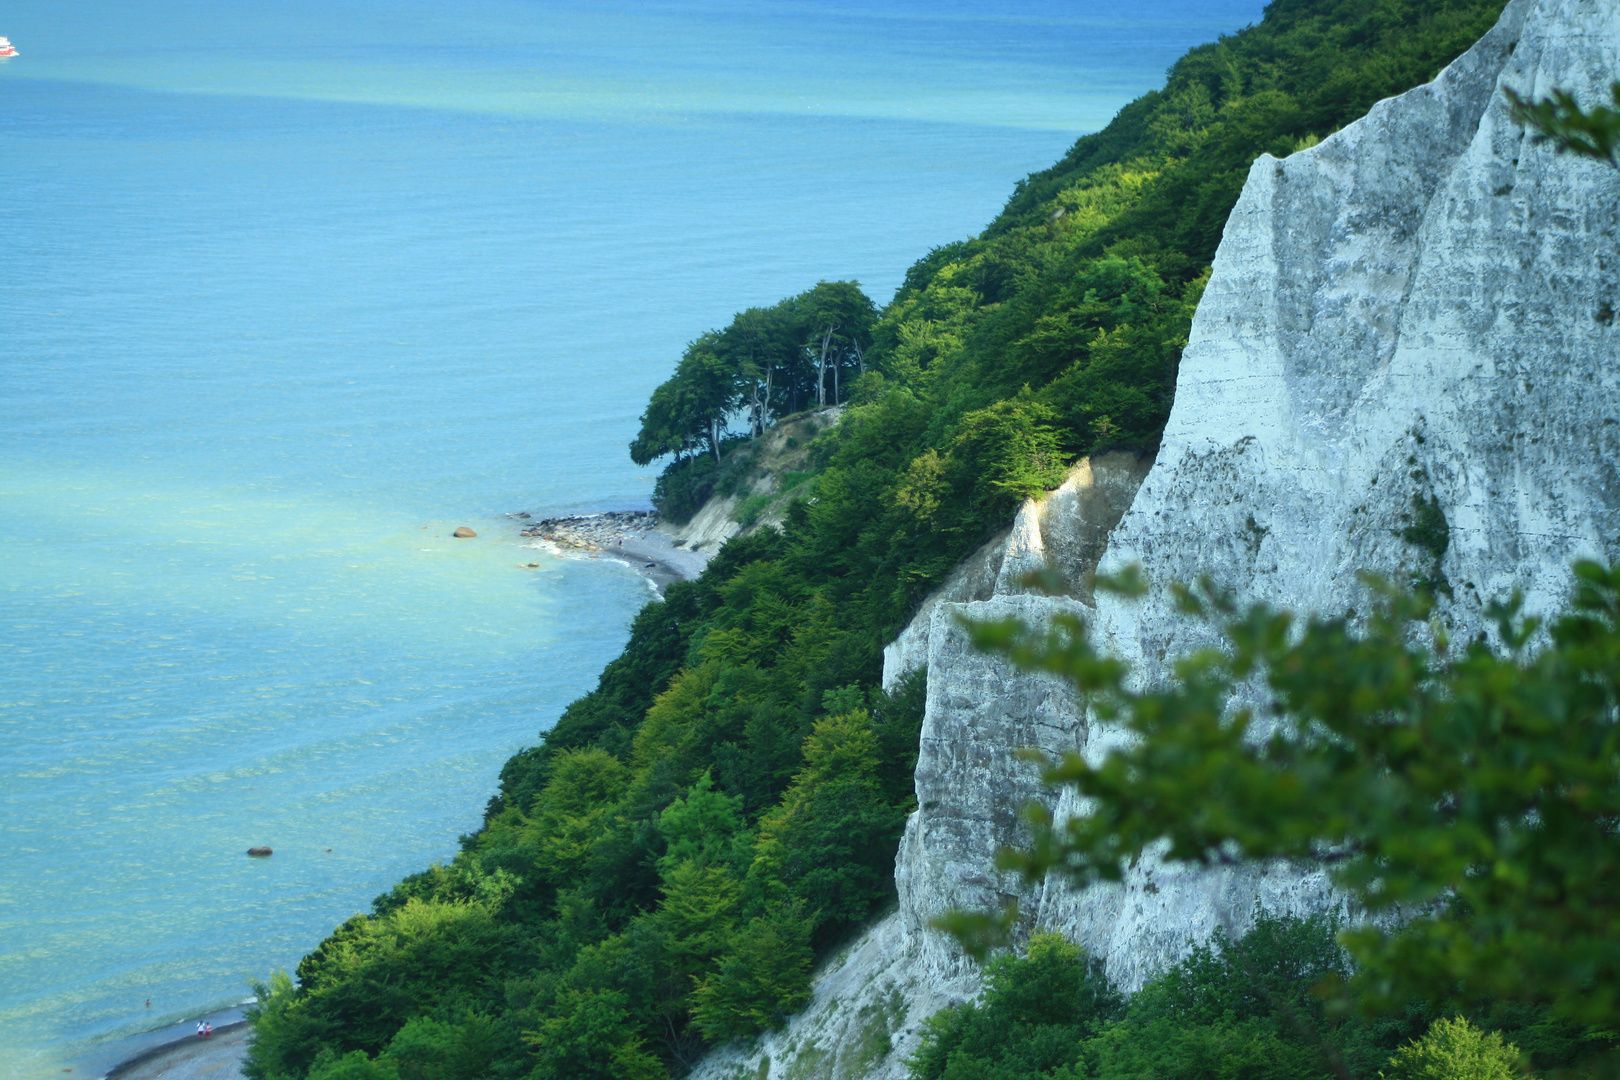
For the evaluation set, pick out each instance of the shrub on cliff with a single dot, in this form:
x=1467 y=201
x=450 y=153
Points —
x=1454 y=1050
x=1036 y=1013
x=1246 y=1007
x=1230 y=1008
x=683 y=487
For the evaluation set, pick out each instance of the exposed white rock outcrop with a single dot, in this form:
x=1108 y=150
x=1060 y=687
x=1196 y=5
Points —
x=772 y=457
x=709 y=528
x=1066 y=531
x=870 y=999
x=1420 y=310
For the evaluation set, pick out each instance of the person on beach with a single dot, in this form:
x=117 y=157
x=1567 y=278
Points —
x=199 y=1029
x=208 y=1030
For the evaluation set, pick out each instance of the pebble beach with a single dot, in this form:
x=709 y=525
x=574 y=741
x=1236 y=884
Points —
x=218 y=1057
x=630 y=536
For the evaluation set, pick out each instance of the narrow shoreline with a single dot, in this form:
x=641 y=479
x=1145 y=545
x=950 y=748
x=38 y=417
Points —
x=632 y=537
x=218 y=1057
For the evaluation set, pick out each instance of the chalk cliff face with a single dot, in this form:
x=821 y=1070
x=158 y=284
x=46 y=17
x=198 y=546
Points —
x=1406 y=361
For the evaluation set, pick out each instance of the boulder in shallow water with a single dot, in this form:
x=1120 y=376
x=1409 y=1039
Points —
x=259 y=852
x=464 y=533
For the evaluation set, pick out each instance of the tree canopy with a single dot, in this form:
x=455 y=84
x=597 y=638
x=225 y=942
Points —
x=768 y=363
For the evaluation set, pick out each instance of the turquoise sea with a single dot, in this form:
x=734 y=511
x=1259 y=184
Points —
x=290 y=290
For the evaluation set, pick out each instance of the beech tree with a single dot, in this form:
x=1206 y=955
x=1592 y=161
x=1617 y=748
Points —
x=762 y=980
x=1455 y=1050
x=756 y=369
x=759 y=346
x=837 y=320
x=692 y=409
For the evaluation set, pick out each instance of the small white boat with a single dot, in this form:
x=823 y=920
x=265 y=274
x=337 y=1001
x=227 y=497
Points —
x=6 y=48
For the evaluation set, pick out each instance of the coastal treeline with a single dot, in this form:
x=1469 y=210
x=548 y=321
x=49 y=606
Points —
x=803 y=352
x=660 y=874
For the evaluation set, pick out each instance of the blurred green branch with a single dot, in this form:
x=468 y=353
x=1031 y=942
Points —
x=1467 y=796
x=1560 y=120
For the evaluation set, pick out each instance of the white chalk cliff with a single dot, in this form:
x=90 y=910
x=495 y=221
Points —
x=1421 y=307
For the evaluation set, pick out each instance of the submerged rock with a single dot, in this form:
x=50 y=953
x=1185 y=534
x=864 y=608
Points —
x=464 y=533
x=259 y=852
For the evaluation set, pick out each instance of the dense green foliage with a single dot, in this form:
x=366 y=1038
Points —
x=1036 y=1012
x=1454 y=1050
x=769 y=363
x=660 y=873
x=1471 y=790
x=1248 y=1008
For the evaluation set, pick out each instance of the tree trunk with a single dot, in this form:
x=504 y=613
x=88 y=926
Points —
x=821 y=367
x=765 y=407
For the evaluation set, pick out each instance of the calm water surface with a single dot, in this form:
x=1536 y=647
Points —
x=290 y=290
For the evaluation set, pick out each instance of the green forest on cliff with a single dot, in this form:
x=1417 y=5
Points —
x=1249 y=1008
x=660 y=874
